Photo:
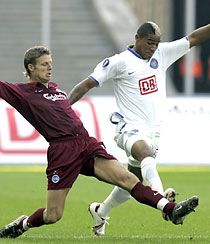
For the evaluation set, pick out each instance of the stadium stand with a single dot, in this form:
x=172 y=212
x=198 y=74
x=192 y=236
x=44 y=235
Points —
x=83 y=32
x=78 y=39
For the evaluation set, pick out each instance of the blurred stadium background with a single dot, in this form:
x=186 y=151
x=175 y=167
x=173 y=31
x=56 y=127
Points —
x=83 y=32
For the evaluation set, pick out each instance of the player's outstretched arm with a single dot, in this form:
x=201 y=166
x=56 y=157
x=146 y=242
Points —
x=81 y=89
x=199 y=35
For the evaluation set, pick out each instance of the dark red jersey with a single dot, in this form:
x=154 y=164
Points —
x=47 y=109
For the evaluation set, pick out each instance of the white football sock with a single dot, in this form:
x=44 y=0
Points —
x=162 y=203
x=115 y=198
x=150 y=174
x=25 y=225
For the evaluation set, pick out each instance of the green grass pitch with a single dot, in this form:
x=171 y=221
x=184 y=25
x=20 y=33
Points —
x=23 y=190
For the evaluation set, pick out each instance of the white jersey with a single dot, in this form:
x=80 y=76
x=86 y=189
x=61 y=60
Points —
x=140 y=85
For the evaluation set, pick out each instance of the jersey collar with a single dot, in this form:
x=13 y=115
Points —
x=130 y=48
x=38 y=84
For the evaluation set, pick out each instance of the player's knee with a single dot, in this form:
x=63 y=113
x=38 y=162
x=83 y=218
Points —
x=141 y=150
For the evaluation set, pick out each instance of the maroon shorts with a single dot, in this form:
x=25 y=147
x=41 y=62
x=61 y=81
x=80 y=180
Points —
x=70 y=157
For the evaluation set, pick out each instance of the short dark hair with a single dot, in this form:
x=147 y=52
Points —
x=32 y=54
x=148 y=28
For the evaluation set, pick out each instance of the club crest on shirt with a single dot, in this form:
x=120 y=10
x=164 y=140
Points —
x=154 y=63
x=106 y=62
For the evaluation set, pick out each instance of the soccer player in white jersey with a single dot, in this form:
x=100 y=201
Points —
x=139 y=79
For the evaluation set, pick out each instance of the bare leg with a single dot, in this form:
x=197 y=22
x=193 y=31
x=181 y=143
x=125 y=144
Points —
x=51 y=214
x=113 y=172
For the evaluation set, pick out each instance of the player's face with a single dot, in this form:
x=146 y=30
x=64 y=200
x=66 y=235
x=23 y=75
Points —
x=42 y=70
x=146 y=46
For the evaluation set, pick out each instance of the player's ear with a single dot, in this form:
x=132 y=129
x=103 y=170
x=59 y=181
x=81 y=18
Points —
x=137 y=36
x=31 y=67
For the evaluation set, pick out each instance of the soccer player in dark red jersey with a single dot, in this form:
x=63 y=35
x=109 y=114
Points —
x=71 y=150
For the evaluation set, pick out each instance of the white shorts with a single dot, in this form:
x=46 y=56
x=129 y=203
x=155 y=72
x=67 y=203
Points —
x=127 y=135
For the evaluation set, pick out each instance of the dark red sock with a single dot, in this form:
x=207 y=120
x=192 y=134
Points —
x=145 y=195
x=36 y=219
x=169 y=208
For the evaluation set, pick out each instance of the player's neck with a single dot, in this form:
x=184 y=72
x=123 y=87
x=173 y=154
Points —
x=36 y=81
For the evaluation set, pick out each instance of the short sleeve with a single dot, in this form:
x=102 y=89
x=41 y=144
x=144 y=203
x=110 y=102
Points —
x=172 y=51
x=108 y=70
